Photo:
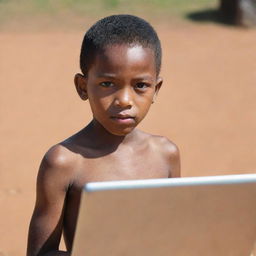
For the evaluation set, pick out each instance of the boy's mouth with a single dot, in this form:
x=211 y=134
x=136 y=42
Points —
x=125 y=119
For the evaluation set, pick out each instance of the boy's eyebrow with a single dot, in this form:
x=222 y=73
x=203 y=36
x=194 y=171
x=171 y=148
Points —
x=108 y=75
x=144 y=76
x=111 y=75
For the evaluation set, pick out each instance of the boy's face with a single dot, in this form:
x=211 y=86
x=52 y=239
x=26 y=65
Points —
x=121 y=85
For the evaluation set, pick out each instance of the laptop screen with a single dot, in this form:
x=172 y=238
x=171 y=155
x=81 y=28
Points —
x=186 y=216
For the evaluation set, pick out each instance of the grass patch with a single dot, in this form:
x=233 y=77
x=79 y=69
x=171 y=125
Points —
x=31 y=10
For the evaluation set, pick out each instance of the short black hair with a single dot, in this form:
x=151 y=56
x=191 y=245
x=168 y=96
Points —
x=119 y=29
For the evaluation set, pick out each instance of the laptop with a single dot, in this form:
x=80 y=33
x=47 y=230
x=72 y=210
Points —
x=199 y=216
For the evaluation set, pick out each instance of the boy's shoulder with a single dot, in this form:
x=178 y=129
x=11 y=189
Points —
x=59 y=156
x=58 y=160
x=164 y=144
x=167 y=149
x=161 y=144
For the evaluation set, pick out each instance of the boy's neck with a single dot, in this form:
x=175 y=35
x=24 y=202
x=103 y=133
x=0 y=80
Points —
x=100 y=136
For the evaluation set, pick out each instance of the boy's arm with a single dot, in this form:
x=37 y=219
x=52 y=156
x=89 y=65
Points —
x=47 y=220
x=174 y=162
x=172 y=155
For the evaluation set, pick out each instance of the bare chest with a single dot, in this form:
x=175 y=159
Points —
x=122 y=167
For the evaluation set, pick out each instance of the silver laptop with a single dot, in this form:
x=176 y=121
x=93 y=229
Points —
x=202 y=216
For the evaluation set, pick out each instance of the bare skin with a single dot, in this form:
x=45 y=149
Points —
x=121 y=85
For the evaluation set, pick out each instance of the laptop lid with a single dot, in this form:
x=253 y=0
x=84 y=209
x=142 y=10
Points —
x=184 y=216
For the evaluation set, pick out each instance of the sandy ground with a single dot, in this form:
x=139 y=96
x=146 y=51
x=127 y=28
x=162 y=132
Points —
x=206 y=106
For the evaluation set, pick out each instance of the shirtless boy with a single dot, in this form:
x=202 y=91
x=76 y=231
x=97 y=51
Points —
x=120 y=62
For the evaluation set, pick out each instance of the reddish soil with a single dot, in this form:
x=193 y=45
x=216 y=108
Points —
x=206 y=106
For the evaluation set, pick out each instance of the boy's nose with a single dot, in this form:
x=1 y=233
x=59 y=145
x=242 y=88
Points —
x=123 y=98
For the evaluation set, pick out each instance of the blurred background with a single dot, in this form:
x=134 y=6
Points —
x=206 y=105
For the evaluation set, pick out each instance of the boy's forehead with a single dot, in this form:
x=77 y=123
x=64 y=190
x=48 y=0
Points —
x=125 y=55
x=123 y=52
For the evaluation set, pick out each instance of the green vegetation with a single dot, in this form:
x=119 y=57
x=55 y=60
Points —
x=152 y=9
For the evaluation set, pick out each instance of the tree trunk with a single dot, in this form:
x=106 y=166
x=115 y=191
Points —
x=247 y=10
x=239 y=12
x=230 y=10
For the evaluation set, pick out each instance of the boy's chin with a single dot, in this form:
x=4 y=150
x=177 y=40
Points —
x=121 y=133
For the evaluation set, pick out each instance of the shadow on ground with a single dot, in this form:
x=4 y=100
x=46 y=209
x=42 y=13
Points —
x=210 y=15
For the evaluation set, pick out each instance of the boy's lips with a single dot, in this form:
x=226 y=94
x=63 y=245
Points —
x=123 y=118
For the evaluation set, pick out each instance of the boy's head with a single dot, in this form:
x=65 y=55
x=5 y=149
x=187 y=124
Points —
x=119 y=29
x=120 y=60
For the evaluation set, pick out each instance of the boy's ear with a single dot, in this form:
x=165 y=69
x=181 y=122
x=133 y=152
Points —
x=157 y=87
x=81 y=86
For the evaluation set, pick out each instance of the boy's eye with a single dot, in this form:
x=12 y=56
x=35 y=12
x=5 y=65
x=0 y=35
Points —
x=106 y=84
x=141 y=86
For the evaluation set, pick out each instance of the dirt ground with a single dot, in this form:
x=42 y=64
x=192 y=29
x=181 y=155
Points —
x=206 y=106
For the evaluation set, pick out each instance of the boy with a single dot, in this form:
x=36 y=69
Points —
x=120 y=62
